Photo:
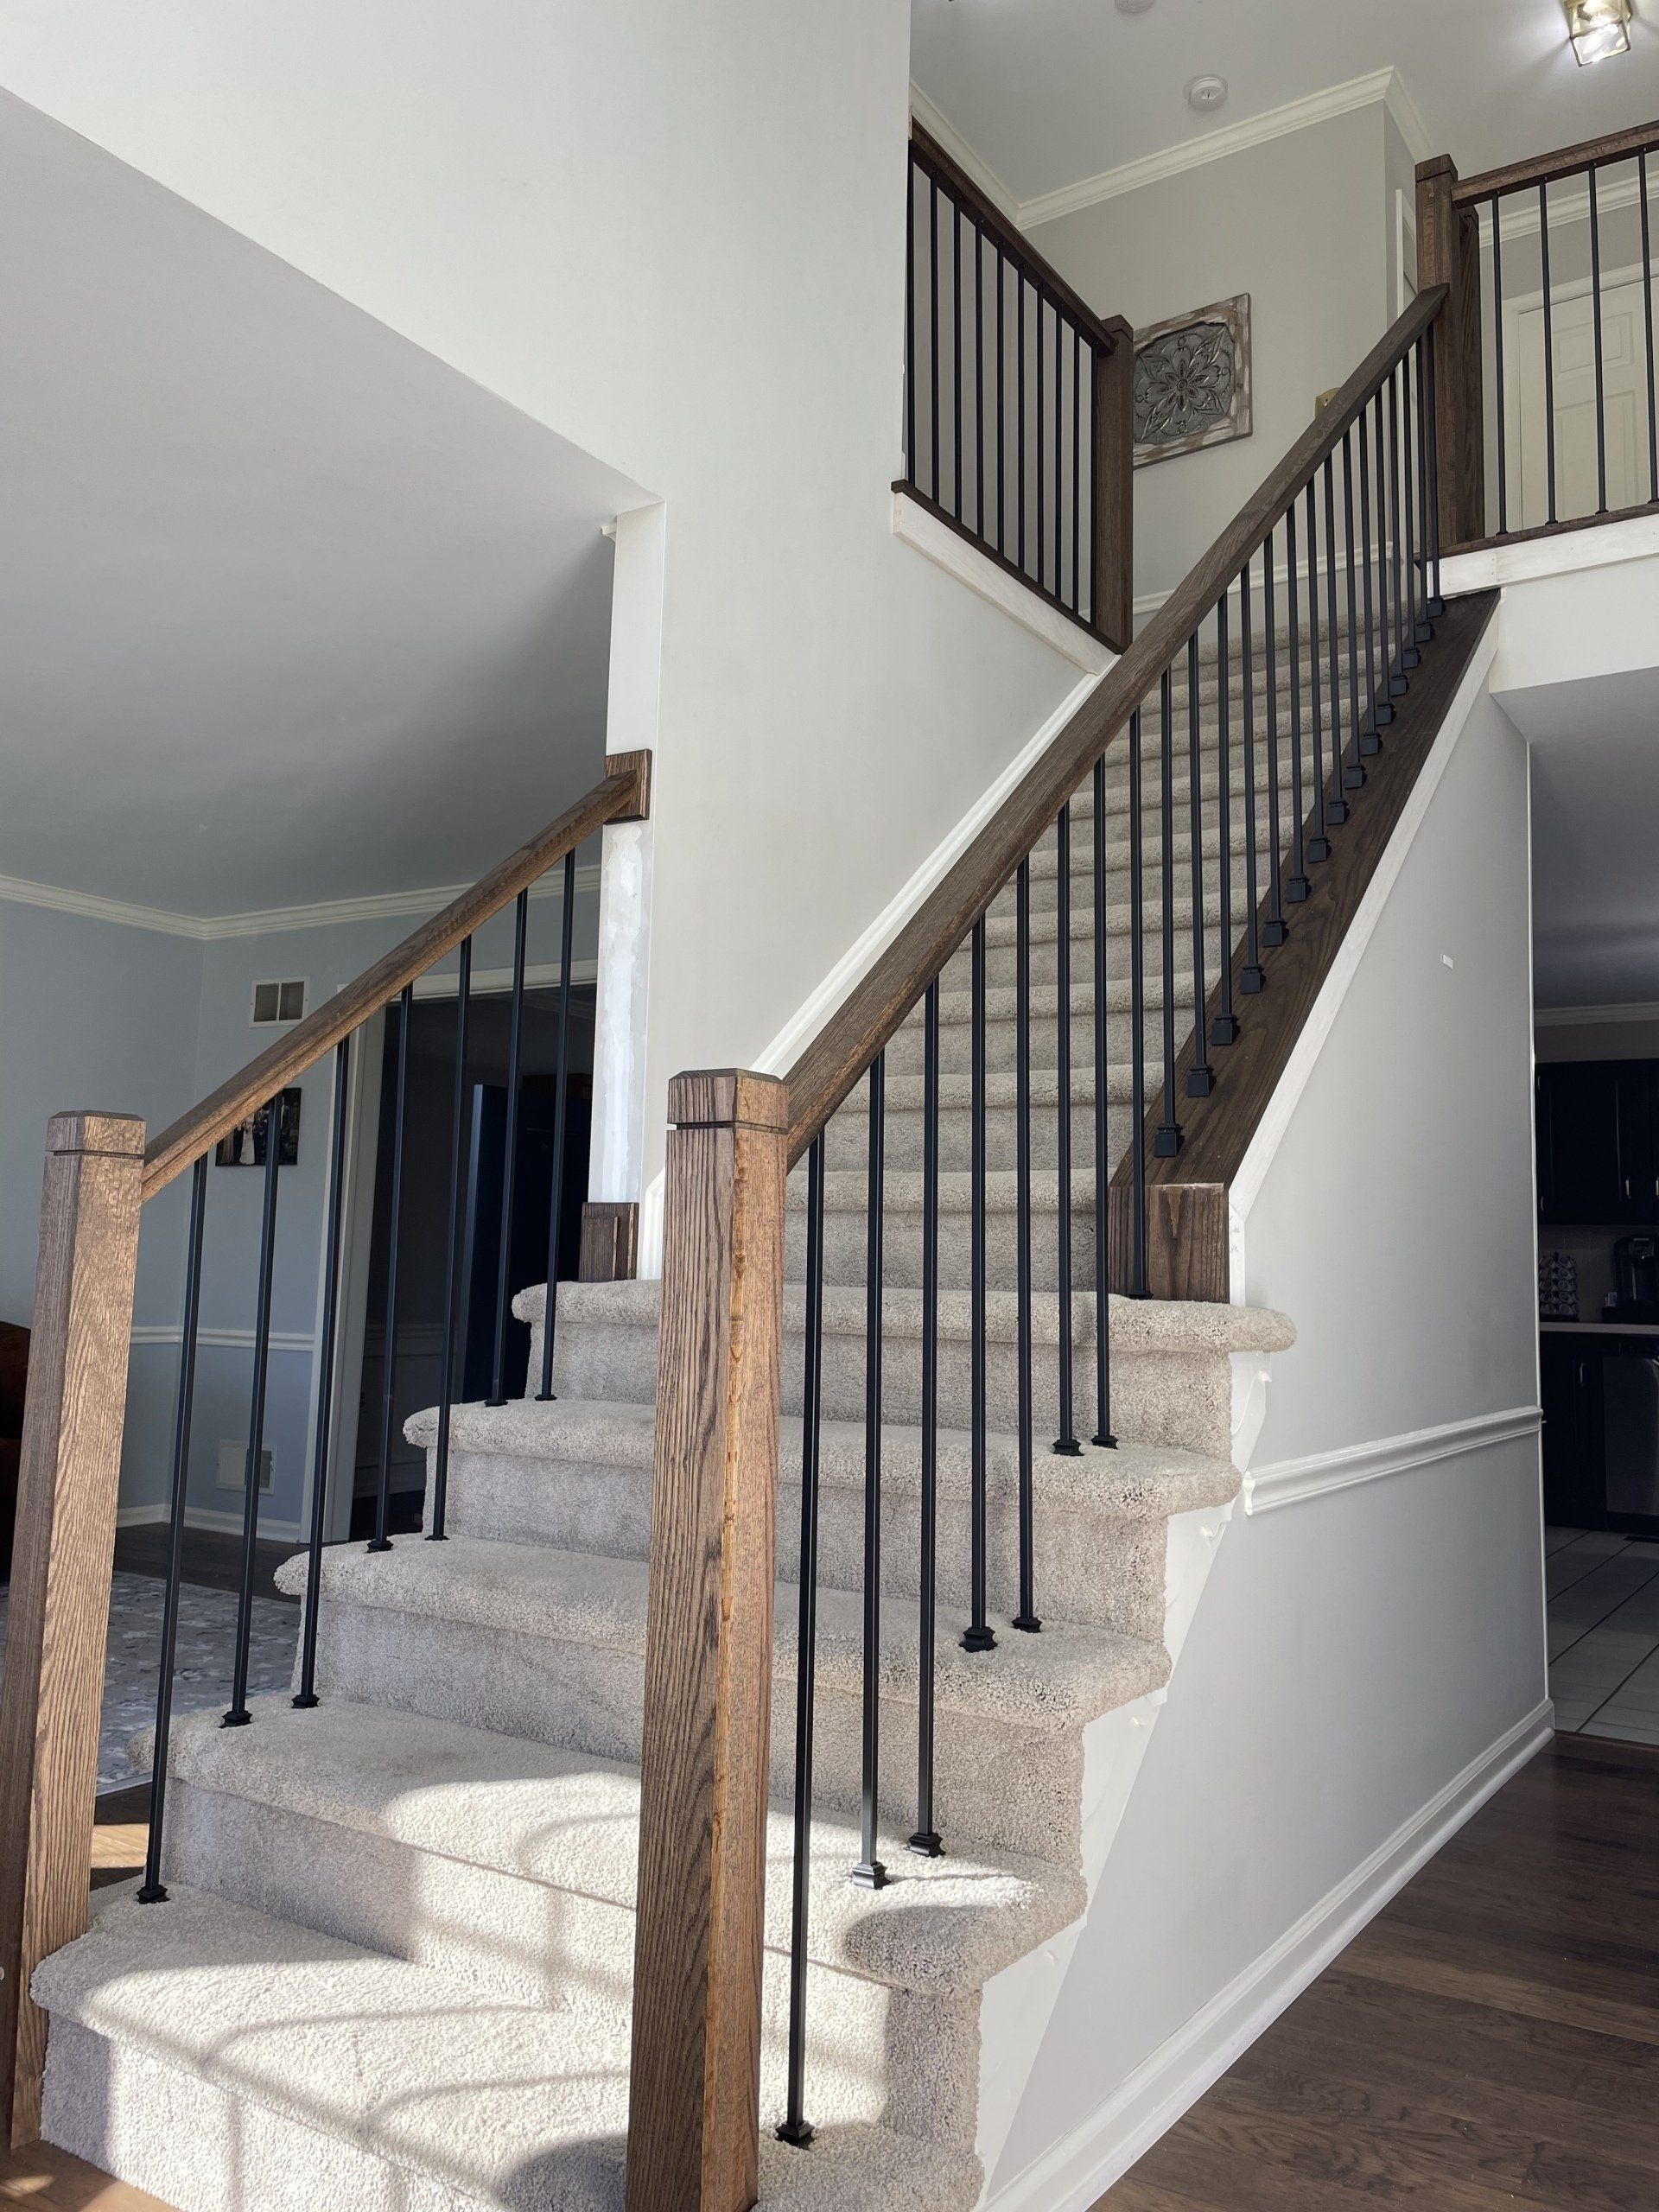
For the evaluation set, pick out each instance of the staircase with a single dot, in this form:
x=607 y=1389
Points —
x=395 y=1966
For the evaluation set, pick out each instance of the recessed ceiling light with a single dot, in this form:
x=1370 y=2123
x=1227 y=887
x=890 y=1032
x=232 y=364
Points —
x=1598 y=28
x=1206 y=93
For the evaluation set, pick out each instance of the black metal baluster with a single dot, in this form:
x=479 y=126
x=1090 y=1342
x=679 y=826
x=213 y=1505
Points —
x=561 y=1085
x=1274 y=929
x=1411 y=626
x=1025 y=1618
x=1549 y=347
x=1406 y=656
x=909 y=323
x=1020 y=405
x=1102 y=1435
x=977 y=1635
x=1066 y=1441
x=1038 y=458
x=1353 y=775
x=1595 y=326
x=381 y=1540
x=238 y=1716
x=1059 y=461
x=870 y=1873
x=1001 y=426
x=1094 y=511
x=1200 y=1076
x=1296 y=883
x=924 y=1842
x=1497 y=366
x=1336 y=806
x=1417 y=382
x=1647 y=326
x=1251 y=976
x=1224 y=1027
x=1167 y=1141
x=795 y=2129
x=1137 y=1017
x=1370 y=743
x=955 y=321
x=1076 y=600
x=460 y=1117
x=1393 y=681
x=306 y=1694
x=1317 y=847
x=979 y=381
x=153 y=1890
x=510 y=1154
x=1436 y=603
x=935 y=473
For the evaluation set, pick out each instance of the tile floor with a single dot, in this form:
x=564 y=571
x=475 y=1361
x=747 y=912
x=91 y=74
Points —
x=1603 y=1611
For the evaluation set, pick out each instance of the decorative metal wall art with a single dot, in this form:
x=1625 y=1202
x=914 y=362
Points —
x=1192 y=381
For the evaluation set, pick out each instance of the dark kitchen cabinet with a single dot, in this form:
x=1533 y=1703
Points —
x=1598 y=1136
x=1570 y=1393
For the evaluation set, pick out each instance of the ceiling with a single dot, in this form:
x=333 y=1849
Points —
x=289 y=610
x=1595 y=801
x=1049 y=92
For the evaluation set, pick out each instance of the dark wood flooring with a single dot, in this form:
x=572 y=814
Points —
x=1491 y=2039
x=212 y=1557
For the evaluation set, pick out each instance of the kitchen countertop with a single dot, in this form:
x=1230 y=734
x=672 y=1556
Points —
x=1602 y=1328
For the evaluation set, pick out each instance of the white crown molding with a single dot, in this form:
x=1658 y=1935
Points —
x=1381 y=87
x=1292 y=1482
x=1581 y=1017
x=940 y=127
x=265 y=921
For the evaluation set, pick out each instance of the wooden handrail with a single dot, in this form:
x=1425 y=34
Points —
x=1567 y=161
x=826 y=1072
x=624 y=795
x=1105 y=335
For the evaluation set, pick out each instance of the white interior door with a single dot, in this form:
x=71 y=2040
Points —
x=1625 y=388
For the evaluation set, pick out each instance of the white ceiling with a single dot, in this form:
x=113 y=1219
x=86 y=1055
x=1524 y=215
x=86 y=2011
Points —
x=289 y=609
x=1050 y=92
x=1595 y=843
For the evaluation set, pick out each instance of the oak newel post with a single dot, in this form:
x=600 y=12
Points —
x=1448 y=252
x=695 y=2075
x=61 y=1561
x=1113 y=598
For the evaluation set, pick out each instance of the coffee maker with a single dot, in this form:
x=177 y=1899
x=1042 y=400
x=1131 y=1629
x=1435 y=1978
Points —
x=1636 y=1280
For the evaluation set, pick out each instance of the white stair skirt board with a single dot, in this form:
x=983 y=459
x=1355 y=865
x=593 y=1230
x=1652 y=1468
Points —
x=1598 y=545
x=913 y=524
x=1079 y=2169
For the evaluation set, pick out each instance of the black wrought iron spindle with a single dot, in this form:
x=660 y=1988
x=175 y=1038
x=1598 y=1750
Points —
x=910 y=327
x=1392 y=678
x=1059 y=461
x=1001 y=425
x=956 y=325
x=925 y=1841
x=1595 y=326
x=1167 y=1141
x=1102 y=1435
x=1353 y=775
x=1501 y=409
x=510 y=1153
x=152 y=1891
x=1274 y=928
x=1370 y=743
x=1417 y=382
x=1025 y=1618
x=1251 y=976
x=238 y=1716
x=1318 y=846
x=978 y=1636
x=795 y=2129
x=1336 y=806
x=1200 y=1076
x=1549 y=346
x=1647 y=328
x=1412 y=623
x=1066 y=1441
x=1406 y=656
x=1436 y=603
x=935 y=473
x=1040 y=457
x=561 y=1088
x=1137 y=1018
x=870 y=1873
x=460 y=1119
x=979 y=379
x=305 y=1696
x=1075 y=603
x=1296 y=883
x=1224 y=1027
x=1020 y=407
x=381 y=1540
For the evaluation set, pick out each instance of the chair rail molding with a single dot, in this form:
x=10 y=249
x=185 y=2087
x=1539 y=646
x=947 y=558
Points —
x=1318 y=1474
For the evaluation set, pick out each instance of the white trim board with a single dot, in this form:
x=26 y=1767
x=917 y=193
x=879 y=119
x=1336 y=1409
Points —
x=323 y=913
x=914 y=525
x=1292 y=1482
x=1072 y=2175
x=1596 y=545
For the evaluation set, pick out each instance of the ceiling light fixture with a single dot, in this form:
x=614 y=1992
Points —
x=1205 y=92
x=1598 y=29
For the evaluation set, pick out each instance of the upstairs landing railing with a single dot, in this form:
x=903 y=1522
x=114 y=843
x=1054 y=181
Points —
x=99 y=1174
x=1309 y=619
x=1549 y=405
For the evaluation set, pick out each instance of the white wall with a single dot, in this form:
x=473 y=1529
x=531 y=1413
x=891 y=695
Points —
x=1302 y=224
x=676 y=235
x=1357 y=1651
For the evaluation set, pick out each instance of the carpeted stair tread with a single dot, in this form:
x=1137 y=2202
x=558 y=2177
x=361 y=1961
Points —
x=1060 y=1679
x=567 y=1821
x=504 y=2103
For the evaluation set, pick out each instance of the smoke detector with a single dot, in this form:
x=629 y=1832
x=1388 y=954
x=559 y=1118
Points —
x=1206 y=93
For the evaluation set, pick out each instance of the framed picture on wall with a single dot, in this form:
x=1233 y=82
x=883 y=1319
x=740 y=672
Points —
x=245 y=1145
x=1192 y=381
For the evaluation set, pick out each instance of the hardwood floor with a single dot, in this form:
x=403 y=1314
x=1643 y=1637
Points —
x=1491 y=2039
x=212 y=1557
x=51 y=2181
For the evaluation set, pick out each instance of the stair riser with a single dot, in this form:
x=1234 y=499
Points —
x=846 y=1256
x=1098 y=1568
x=1181 y=1398
x=520 y=1940
x=1001 y=961
x=847 y=1147
x=1002 y=1786
x=906 y=1050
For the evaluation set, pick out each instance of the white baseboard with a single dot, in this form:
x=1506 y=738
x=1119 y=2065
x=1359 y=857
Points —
x=204 y=1516
x=1083 y=2164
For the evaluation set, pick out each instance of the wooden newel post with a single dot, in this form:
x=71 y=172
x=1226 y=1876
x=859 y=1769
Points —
x=694 y=2110
x=1112 y=609
x=57 y=1624
x=1448 y=252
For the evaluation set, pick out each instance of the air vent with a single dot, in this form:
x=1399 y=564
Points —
x=233 y=1466
x=278 y=1003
